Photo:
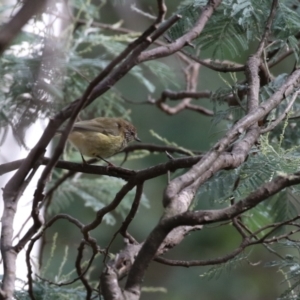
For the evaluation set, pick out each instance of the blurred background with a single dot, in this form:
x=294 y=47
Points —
x=248 y=279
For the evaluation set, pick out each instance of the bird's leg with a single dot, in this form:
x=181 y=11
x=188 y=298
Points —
x=108 y=162
x=171 y=158
x=83 y=160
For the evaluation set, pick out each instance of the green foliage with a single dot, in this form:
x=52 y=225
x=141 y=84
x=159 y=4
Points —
x=34 y=60
x=262 y=165
x=168 y=143
x=286 y=23
x=290 y=127
x=236 y=24
x=95 y=193
x=39 y=77
x=217 y=271
x=111 y=104
x=166 y=75
x=44 y=289
x=233 y=113
x=26 y=70
x=86 y=9
x=289 y=267
x=24 y=97
x=227 y=113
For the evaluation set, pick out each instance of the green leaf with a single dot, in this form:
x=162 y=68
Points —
x=96 y=193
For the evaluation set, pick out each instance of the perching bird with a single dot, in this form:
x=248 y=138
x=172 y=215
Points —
x=102 y=137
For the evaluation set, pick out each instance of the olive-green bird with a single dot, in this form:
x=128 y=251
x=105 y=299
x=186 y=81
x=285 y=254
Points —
x=102 y=137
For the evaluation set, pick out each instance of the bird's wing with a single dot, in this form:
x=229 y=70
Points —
x=102 y=127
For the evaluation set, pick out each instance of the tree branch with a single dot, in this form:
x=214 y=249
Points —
x=159 y=233
x=10 y=30
x=186 y=38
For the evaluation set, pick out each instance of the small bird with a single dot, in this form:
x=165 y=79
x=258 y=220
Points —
x=102 y=137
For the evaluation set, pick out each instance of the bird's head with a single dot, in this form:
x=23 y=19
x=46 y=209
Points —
x=129 y=131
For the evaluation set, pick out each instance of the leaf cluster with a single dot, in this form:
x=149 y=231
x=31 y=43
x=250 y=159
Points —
x=237 y=24
x=94 y=193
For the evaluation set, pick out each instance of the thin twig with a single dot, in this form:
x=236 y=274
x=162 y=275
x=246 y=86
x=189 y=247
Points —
x=129 y=218
x=282 y=116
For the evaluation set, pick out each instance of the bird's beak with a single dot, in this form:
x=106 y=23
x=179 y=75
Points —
x=137 y=139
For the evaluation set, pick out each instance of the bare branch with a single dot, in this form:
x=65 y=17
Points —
x=252 y=66
x=216 y=65
x=90 y=169
x=133 y=210
x=79 y=271
x=178 y=184
x=192 y=73
x=100 y=214
x=162 y=10
x=186 y=38
x=157 y=236
x=198 y=263
x=134 y=207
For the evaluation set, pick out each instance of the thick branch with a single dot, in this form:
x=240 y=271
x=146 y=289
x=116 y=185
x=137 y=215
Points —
x=159 y=233
x=179 y=183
